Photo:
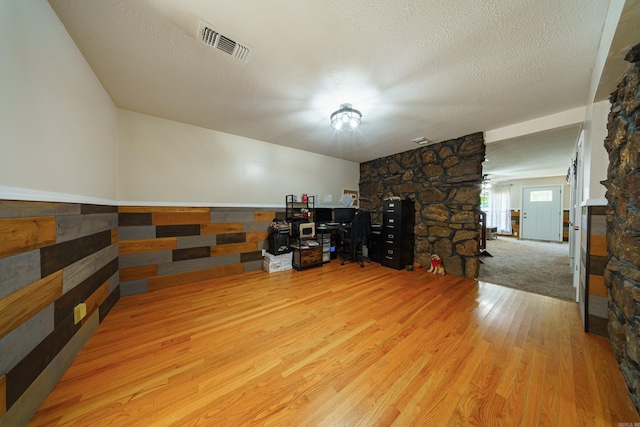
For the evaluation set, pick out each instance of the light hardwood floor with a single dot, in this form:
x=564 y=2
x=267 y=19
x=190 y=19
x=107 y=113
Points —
x=341 y=346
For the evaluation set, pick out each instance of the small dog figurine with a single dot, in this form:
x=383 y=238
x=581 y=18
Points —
x=436 y=265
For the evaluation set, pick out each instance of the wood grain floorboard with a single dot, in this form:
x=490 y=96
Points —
x=340 y=346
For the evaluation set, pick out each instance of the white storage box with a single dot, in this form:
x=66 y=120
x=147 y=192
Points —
x=272 y=263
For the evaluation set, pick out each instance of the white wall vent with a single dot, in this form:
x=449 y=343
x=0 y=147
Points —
x=210 y=35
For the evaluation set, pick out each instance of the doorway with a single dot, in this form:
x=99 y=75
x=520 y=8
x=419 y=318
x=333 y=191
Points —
x=542 y=213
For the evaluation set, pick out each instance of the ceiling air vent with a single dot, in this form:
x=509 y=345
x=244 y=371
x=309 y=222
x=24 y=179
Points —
x=423 y=141
x=210 y=35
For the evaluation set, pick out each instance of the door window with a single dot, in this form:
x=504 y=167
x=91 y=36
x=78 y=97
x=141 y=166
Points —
x=541 y=196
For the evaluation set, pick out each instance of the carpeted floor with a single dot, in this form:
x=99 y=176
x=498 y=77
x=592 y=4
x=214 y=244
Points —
x=533 y=266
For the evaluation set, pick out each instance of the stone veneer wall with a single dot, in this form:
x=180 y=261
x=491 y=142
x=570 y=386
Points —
x=444 y=180
x=622 y=273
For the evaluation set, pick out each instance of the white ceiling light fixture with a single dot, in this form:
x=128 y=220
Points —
x=346 y=118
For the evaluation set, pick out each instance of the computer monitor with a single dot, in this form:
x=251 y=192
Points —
x=342 y=215
x=324 y=215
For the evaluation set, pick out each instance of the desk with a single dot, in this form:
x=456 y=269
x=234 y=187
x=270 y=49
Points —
x=334 y=231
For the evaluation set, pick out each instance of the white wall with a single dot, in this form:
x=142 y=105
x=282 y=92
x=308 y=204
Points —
x=518 y=184
x=596 y=159
x=167 y=162
x=58 y=126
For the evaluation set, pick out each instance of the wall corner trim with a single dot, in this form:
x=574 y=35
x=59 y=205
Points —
x=594 y=202
x=201 y=204
x=25 y=194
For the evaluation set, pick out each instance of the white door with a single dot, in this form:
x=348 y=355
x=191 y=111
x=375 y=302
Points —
x=577 y=186
x=542 y=213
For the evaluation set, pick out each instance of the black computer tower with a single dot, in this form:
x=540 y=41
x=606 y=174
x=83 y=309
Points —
x=375 y=245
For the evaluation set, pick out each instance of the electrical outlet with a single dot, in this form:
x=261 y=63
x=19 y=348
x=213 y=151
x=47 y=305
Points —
x=79 y=312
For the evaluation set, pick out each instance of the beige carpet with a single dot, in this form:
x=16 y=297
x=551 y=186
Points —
x=533 y=266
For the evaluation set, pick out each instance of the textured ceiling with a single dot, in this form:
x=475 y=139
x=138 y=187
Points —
x=432 y=68
x=541 y=154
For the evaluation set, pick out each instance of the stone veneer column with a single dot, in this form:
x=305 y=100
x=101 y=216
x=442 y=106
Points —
x=444 y=180
x=622 y=273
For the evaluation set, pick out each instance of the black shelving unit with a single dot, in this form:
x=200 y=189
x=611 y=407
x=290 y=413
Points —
x=307 y=251
x=294 y=209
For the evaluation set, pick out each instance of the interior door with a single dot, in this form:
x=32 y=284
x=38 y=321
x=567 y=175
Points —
x=542 y=213
x=576 y=212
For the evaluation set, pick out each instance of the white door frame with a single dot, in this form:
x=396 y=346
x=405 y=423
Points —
x=575 y=231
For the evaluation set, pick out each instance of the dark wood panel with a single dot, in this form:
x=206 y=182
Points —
x=191 y=253
x=251 y=256
x=56 y=257
x=3 y=395
x=132 y=219
x=597 y=264
x=108 y=304
x=20 y=377
x=65 y=304
x=95 y=300
x=598 y=325
x=177 y=230
x=225 y=239
x=598 y=210
x=97 y=209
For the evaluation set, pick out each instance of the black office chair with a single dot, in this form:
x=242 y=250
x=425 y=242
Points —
x=355 y=238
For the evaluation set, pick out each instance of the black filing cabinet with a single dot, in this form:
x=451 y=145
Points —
x=375 y=246
x=398 y=218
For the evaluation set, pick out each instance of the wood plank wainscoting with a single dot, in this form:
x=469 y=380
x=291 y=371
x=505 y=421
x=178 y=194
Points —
x=341 y=345
x=52 y=257
x=169 y=246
